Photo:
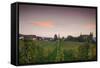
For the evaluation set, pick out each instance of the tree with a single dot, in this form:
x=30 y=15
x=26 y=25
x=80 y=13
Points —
x=55 y=37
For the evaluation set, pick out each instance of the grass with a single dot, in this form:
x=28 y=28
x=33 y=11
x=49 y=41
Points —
x=36 y=51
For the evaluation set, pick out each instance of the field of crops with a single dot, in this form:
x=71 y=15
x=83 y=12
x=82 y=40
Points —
x=40 y=51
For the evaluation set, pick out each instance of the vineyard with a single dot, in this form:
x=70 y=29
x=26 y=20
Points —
x=40 y=51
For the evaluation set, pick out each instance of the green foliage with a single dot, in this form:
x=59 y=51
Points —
x=36 y=51
x=83 y=51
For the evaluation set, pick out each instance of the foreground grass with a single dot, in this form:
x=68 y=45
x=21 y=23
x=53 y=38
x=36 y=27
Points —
x=35 y=51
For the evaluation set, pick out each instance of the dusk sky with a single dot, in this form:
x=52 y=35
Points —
x=49 y=20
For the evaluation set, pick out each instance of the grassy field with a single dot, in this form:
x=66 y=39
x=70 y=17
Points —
x=35 y=51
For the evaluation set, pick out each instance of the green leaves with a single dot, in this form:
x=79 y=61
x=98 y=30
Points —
x=36 y=51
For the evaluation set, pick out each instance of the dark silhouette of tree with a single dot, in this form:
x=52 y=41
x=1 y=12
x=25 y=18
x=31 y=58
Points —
x=69 y=38
x=91 y=35
x=55 y=37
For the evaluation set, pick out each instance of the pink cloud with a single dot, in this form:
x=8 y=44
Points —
x=46 y=24
x=89 y=26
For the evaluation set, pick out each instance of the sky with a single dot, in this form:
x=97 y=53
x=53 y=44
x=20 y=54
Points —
x=47 y=21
